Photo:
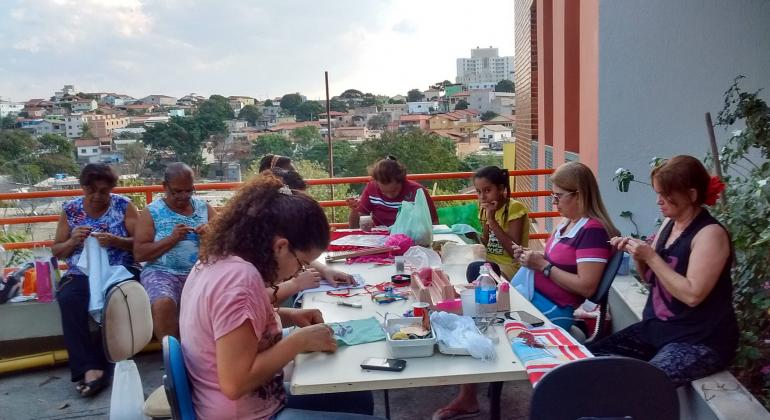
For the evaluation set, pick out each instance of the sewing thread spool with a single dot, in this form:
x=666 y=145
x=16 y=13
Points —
x=400 y=264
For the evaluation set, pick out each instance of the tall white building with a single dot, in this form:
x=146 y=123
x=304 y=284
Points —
x=484 y=69
x=8 y=107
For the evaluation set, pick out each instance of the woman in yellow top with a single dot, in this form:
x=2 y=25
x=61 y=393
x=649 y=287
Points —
x=509 y=228
x=505 y=231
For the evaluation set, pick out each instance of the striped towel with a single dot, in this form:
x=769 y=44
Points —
x=541 y=349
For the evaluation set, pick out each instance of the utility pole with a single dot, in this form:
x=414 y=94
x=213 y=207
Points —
x=329 y=138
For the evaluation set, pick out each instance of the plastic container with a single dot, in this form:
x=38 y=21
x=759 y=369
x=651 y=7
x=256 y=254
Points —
x=404 y=349
x=28 y=287
x=486 y=291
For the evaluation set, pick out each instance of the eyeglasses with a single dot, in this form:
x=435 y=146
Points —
x=177 y=193
x=558 y=196
x=301 y=266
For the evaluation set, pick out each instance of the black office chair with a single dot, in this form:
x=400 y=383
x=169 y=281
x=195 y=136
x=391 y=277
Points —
x=601 y=296
x=605 y=388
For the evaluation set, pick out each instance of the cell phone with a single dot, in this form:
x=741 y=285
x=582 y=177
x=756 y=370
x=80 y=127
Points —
x=377 y=363
x=529 y=318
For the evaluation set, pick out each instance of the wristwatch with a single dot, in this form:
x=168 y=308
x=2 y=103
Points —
x=547 y=270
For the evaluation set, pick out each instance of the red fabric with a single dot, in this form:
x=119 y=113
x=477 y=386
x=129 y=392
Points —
x=715 y=188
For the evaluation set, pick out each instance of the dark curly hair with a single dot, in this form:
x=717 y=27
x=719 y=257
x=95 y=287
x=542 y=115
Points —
x=292 y=179
x=95 y=172
x=258 y=213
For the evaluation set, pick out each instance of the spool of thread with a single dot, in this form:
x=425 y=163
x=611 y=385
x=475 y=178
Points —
x=400 y=261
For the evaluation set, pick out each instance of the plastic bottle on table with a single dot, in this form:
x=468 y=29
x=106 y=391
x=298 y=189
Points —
x=486 y=292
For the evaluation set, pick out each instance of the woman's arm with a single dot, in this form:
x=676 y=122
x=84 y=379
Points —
x=108 y=240
x=584 y=283
x=709 y=252
x=241 y=369
x=65 y=242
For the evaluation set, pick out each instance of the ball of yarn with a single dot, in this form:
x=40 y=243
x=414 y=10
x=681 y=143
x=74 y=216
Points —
x=401 y=241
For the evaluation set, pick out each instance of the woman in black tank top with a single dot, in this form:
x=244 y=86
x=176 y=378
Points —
x=689 y=328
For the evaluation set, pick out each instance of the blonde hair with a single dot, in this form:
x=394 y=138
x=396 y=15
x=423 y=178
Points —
x=577 y=177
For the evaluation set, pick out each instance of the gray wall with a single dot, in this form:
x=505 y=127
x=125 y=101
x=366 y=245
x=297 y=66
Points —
x=662 y=65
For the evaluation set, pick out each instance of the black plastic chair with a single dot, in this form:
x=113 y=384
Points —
x=605 y=388
x=601 y=296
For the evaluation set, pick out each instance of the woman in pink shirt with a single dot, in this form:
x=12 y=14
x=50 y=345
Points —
x=230 y=329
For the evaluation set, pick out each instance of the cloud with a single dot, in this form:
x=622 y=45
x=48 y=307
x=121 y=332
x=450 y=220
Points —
x=261 y=49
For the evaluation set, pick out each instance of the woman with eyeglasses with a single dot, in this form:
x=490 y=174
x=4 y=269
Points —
x=570 y=268
x=110 y=218
x=382 y=197
x=231 y=331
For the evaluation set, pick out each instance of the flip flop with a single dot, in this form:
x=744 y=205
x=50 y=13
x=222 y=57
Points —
x=452 y=414
x=94 y=387
x=80 y=385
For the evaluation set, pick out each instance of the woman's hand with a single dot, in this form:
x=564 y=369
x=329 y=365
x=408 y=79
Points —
x=318 y=337
x=308 y=279
x=106 y=240
x=352 y=202
x=338 y=277
x=302 y=317
x=202 y=229
x=79 y=234
x=532 y=259
x=638 y=249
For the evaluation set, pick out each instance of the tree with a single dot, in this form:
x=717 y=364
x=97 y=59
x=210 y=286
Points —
x=461 y=104
x=8 y=122
x=337 y=105
x=369 y=100
x=85 y=131
x=475 y=161
x=29 y=160
x=276 y=144
x=250 y=113
x=308 y=111
x=217 y=107
x=314 y=170
x=414 y=95
x=56 y=155
x=268 y=102
x=419 y=151
x=379 y=121
x=290 y=102
x=505 y=86
x=396 y=101
x=182 y=137
x=488 y=115
x=318 y=151
x=351 y=94
x=135 y=155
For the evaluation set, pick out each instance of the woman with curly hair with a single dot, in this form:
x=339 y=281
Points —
x=230 y=329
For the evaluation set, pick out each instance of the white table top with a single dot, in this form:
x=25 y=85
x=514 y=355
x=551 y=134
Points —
x=316 y=373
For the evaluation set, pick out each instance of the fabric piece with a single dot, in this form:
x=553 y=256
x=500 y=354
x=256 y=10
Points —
x=586 y=241
x=524 y=282
x=495 y=252
x=666 y=319
x=457 y=229
x=94 y=262
x=541 y=349
x=181 y=258
x=384 y=209
x=112 y=221
x=213 y=309
x=563 y=316
x=163 y=284
x=681 y=362
x=357 y=331
x=325 y=286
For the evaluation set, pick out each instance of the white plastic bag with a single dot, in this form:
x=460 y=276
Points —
x=414 y=220
x=460 y=332
x=127 y=398
x=418 y=258
x=95 y=263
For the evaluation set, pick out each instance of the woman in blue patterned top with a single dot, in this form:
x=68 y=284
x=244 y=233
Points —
x=110 y=219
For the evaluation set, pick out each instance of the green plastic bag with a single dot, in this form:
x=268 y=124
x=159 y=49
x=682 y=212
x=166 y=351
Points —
x=413 y=220
x=464 y=214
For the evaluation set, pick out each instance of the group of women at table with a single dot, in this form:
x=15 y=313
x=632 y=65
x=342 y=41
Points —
x=270 y=231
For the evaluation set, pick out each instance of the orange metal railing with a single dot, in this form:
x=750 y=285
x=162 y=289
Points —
x=149 y=190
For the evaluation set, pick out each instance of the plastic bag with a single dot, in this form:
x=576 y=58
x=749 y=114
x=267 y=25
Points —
x=418 y=258
x=414 y=220
x=127 y=399
x=465 y=214
x=460 y=332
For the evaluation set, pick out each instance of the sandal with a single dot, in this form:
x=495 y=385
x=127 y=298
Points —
x=89 y=389
x=80 y=385
x=453 y=414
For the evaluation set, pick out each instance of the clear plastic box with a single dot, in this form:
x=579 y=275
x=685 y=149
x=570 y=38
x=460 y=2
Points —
x=403 y=349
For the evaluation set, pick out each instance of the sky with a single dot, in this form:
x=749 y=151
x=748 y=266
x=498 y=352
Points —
x=259 y=48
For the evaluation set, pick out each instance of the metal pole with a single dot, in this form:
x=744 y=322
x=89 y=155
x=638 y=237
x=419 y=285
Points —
x=329 y=140
x=714 y=151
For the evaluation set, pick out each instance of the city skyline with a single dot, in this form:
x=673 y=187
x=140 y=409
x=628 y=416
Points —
x=236 y=48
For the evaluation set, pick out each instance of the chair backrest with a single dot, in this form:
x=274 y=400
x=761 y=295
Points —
x=605 y=387
x=175 y=380
x=608 y=276
x=126 y=320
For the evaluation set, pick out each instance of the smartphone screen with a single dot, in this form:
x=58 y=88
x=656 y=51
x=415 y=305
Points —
x=529 y=318
x=377 y=363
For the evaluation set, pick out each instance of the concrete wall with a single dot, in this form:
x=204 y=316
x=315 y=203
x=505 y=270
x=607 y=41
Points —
x=662 y=65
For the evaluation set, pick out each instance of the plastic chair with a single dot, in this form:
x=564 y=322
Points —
x=605 y=387
x=175 y=380
x=601 y=296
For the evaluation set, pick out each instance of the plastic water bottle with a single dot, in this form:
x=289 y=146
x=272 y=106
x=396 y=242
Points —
x=486 y=292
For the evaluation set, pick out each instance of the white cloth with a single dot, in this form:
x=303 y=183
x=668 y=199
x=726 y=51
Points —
x=95 y=263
